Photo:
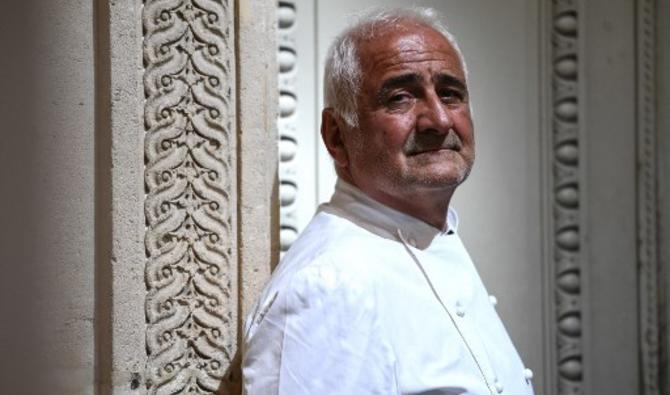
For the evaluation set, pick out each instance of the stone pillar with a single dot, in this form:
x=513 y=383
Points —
x=189 y=91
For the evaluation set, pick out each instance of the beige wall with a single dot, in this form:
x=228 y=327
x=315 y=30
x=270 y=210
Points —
x=48 y=175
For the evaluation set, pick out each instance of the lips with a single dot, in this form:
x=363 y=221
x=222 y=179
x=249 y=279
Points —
x=435 y=150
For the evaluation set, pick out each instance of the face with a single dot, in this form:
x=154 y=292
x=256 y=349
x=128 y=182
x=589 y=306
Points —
x=415 y=132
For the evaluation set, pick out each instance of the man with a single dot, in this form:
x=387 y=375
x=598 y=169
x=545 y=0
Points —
x=378 y=295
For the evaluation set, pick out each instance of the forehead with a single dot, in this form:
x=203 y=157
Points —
x=408 y=46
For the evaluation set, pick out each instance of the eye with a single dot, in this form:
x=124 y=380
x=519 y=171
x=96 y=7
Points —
x=399 y=98
x=452 y=96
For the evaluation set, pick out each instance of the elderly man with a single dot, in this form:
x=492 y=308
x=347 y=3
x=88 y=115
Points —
x=378 y=295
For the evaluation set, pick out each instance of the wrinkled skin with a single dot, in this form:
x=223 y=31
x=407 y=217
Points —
x=414 y=143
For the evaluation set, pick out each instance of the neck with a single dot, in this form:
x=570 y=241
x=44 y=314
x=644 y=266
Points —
x=429 y=205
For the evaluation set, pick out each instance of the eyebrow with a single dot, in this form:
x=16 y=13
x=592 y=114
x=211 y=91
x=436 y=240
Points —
x=416 y=79
x=449 y=80
x=398 y=81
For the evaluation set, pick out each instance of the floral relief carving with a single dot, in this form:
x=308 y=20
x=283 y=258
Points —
x=188 y=114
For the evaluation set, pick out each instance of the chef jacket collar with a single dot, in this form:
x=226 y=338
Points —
x=350 y=202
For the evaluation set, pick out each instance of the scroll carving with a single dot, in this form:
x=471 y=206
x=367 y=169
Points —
x=288 y=143
x=190 y=264
x=647 y=226
x=566 y=247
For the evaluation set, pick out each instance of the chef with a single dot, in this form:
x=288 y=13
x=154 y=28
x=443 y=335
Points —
x=378 y=295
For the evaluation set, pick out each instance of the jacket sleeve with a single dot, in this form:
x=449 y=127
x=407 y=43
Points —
x=319 y=335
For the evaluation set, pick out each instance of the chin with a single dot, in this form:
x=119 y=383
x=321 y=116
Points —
x=446 y=182
x=441 y=177
x=437 y=181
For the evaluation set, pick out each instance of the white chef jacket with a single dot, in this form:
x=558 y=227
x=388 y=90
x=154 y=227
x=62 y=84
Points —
x=369 y=300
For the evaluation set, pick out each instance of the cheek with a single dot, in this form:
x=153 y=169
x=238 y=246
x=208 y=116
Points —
x=464 y=127
x=386 y=135
x=394 y=133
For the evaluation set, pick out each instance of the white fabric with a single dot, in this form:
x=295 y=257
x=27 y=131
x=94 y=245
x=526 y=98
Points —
x=369 y=300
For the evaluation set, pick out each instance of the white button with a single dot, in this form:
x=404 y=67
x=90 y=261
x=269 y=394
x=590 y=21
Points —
x=499 y=387
x=528 y=374
x=493 y=300
x=460 y=310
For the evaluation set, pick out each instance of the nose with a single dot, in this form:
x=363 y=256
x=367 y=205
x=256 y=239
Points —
x=433 y=115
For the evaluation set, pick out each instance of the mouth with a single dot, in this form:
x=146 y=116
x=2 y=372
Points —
x=435 y=150
x=430 y=144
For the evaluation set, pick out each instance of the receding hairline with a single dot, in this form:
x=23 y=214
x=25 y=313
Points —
x=407 y=29
x=342 y=72
x=400 y=19
x=373 y=29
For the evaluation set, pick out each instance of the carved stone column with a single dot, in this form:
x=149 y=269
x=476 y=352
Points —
x=189 y=151
x=191 y=189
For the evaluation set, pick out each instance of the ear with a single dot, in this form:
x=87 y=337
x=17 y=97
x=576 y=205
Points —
x=332 y=129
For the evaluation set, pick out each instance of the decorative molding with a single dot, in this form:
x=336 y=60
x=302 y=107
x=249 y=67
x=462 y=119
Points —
x=288 y=142
x=565 y=244
x=648 y=207
x=189 y=179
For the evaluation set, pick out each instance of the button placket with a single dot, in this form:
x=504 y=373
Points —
x=464 y=329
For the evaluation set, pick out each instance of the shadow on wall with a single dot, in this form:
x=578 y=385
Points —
x=30 y=110
x=232 y=382
x=21 y=331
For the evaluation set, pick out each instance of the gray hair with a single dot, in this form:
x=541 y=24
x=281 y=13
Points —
x=342 y=75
